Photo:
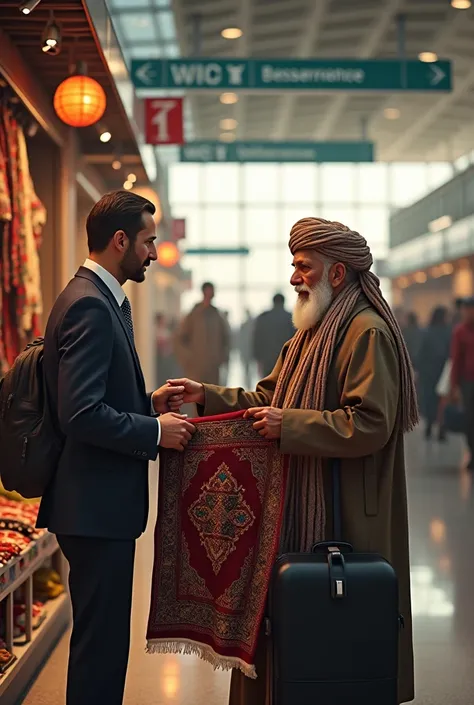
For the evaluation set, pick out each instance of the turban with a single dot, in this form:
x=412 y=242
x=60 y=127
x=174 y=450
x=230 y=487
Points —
x=333 y=241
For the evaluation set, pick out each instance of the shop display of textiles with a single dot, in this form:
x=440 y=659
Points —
x=6 y=658
x=17 y=528
x=22 y=217
x=17 y=538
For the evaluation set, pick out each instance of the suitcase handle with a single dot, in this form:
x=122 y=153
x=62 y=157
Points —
x=325 y=546
x=337 y=573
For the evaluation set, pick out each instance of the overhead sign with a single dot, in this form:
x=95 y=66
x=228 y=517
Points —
x=217 y=251
x=277 y=152
x=292 y=74
x=164 y=121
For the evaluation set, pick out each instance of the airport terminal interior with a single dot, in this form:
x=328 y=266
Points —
x=236 y=119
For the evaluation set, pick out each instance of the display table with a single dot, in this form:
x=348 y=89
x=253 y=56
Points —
x=32 y=649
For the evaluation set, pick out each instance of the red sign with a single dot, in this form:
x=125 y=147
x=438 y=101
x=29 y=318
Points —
x=164 y=121
x=178 y=229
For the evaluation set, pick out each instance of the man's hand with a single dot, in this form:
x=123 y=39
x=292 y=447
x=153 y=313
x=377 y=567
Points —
x=269 y=421
x=176 y=431
x=165 y=399
x=193 y=391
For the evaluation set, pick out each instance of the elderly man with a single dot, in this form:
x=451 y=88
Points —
x=342 y=388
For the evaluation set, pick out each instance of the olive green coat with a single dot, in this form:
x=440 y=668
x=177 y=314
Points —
x=361 y=426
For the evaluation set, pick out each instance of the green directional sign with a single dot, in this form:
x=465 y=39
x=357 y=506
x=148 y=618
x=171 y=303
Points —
x=217 y=251
x=277 y=152
x=292 y=74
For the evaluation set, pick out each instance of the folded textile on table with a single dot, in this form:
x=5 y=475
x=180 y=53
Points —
x=220 y=510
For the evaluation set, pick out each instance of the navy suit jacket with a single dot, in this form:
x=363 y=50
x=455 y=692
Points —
x=97 y=391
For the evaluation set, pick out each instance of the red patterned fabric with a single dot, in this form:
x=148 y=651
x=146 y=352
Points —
x=219 y=518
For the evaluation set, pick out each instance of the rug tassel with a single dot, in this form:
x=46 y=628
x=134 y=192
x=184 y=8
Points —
x=204 y=652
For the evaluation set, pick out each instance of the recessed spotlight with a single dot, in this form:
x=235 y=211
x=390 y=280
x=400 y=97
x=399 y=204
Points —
x=116 y=164
x=232 y=33
x=228 y=124
x=391 y=113
x=29 y=6
x=105 y=136
x=128 y=185
x=227 y=137
x=132 y=178
x=32 y=129
x=229 y=98
x=428 y=57
x=461 y=4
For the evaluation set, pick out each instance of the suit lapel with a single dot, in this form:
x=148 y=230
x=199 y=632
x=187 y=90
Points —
x=85 y=273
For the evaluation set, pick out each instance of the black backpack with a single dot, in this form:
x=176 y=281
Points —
x=30 y=444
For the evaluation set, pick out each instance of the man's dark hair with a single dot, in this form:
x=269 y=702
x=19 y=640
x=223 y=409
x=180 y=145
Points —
x=279 y=300
x=207 y=285
x=118 y=210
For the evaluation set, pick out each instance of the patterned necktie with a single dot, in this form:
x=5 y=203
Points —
x=127 y=314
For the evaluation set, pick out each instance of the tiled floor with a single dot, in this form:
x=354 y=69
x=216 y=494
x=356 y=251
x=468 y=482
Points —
x=442 y=538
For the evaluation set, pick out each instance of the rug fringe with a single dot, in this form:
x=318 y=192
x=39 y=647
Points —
x=203 y=651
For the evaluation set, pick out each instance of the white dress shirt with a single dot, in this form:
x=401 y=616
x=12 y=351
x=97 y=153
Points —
x=112 y=283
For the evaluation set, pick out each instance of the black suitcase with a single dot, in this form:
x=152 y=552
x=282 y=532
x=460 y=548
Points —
x=334 y=624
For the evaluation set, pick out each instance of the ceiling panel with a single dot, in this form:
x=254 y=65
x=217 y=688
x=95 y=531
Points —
x=330 y=29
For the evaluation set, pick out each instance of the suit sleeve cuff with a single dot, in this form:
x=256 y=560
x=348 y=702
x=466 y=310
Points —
x=158 y=436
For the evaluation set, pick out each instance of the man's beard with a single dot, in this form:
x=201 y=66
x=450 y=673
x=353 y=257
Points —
x=311 y=309
x=132 y=268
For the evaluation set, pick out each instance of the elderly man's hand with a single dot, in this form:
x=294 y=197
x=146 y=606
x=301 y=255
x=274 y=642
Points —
x=268 y=421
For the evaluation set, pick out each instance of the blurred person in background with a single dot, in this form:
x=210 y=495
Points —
x=203 y=340
x=462 y=370
x=164 y=349
x=433 y=354
x=224 y=369
x=457 y=313
x=413 y=335
x=272 y=330
x=400 y=316
x=245 y=346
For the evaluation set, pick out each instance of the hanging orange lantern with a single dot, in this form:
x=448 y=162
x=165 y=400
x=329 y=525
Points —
x=168 y=254
x=80 y=101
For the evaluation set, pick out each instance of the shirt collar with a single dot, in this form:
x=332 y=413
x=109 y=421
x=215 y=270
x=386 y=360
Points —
x=109 y=280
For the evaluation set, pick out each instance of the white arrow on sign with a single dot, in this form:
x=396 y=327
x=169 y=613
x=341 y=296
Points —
x=438 y=75
x=145 y=73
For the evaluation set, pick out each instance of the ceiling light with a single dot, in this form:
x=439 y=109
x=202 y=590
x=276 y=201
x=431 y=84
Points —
x=116 y=164
x=32 y=129
x=29 y=6
x=128 y=185
x=391 y=113
x=435 y=226
x=52 y=38
x=232 y=33
x=420 y=277
x=229 y=98
x=461 y=4
x=132 y=178
x=428 y=57
x=105 y=136
x=228 y=124
x=227 y=137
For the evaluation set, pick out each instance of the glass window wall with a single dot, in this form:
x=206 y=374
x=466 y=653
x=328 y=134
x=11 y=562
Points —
x=255 y=205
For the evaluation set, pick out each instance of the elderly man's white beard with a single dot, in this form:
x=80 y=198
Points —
x=309 y=311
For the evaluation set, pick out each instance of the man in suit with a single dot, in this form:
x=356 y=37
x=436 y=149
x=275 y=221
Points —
x=272 y=330
x=97 y=503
